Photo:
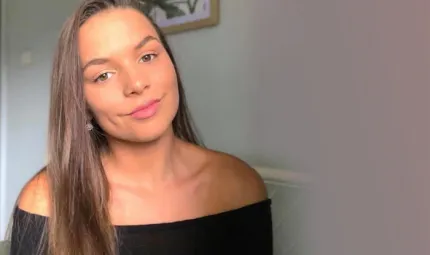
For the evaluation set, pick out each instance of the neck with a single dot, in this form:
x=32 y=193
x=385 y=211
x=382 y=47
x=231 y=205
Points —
x=143 y=163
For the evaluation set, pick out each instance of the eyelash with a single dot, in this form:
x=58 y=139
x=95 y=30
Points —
x=97 y=80
x=153 y=55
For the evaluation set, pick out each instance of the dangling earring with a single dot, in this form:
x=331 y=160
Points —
x=89 y=126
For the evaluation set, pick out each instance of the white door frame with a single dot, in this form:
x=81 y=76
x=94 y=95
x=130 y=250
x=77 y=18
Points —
x=3 y=119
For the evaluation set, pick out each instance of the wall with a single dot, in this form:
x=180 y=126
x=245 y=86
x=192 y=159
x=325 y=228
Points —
x=2 y=113
x=338 y=88
x=29 y=27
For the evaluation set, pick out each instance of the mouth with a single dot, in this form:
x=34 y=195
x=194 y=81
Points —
x=146 y=110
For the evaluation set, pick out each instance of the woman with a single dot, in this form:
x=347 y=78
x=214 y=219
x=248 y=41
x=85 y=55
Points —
x=126 y=174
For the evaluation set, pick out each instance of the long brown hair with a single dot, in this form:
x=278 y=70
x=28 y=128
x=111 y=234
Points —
x=79 y=221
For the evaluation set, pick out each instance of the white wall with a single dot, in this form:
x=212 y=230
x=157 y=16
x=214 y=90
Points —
x=2 y=115
x=30 y=26
x=339 y=88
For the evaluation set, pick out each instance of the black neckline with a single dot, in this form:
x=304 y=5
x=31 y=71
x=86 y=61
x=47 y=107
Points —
x=179 y=223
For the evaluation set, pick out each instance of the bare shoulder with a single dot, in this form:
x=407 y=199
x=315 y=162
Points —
x=34 y=197
x=237 y=181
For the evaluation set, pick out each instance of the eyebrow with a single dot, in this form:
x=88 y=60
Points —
x=145 y=41
x=101 y=61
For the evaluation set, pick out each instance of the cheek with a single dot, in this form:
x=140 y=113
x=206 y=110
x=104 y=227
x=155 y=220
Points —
x=164 y=82
x=163 y=75
x=101 y=101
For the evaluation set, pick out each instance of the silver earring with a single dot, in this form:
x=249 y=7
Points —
x=89 y=126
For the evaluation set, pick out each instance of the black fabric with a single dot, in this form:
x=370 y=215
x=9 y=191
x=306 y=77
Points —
x=247 y=230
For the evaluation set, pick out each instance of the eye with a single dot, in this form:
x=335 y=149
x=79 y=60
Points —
x=148 y=57
x=103 y=77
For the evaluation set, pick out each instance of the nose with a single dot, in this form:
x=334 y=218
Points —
x=136 y=83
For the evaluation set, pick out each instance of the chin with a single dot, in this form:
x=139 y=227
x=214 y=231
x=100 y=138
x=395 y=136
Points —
x=150 y=135
x=146 y=138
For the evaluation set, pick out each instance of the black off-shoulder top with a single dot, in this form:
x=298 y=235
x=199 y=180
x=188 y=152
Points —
x=247 y=230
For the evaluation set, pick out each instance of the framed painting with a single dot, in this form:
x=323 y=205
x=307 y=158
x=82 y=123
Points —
x=174 y=16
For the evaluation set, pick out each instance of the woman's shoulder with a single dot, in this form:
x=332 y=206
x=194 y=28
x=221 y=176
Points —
x=28 y=226
x=235 y=179
x=34 y=197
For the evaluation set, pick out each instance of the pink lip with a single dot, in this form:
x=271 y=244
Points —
x=146 y=111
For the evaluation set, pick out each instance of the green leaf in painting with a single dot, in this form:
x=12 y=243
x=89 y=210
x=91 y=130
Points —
x=147 y=6
x=171 y=9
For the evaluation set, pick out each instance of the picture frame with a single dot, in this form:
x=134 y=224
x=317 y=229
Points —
x=174 y=16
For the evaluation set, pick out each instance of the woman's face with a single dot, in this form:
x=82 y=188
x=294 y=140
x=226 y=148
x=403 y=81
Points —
x=130 y=82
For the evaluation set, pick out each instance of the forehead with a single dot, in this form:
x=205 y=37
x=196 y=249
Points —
x=112 y=31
